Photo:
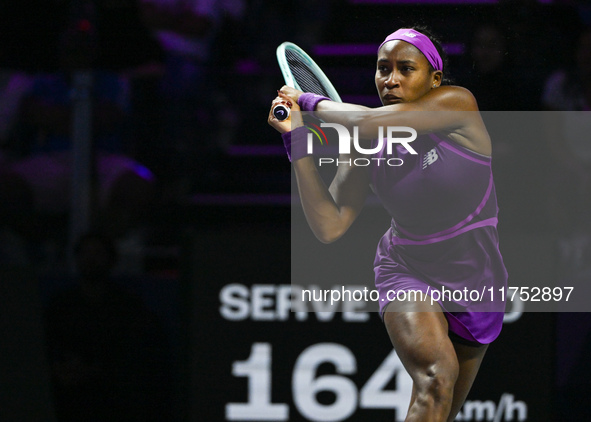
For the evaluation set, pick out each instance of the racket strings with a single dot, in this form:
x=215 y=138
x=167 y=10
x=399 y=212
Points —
x=306 y=79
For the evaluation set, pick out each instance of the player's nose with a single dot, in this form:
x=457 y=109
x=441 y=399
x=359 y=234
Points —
x=393 y=80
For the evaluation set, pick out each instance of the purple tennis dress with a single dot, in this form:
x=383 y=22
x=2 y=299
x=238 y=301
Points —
x=443 y=235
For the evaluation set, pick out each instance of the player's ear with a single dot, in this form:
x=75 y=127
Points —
x=437 y=78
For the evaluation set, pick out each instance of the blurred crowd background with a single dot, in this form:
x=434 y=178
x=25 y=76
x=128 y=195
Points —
x=179 y=94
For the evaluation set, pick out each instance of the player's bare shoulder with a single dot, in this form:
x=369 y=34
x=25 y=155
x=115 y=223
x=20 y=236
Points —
x=471 y=133
x=453 y=97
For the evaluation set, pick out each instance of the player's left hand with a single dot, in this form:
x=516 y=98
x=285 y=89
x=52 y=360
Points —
x=292 y=93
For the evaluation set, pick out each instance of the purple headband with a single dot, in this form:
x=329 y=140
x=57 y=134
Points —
x=420 y=41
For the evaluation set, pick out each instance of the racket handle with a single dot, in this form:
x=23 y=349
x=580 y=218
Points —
x=281 y=112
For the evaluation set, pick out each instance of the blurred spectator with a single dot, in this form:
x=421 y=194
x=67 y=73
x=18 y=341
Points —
x=16 y=196
x=14 y=86
x=107 y=352
x=492 y=76
x=128 y=46
x=123 y=186
x=569 y=90
x=538 y=33
x=187 y=31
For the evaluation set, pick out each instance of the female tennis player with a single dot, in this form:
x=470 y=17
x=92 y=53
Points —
x=444 y=215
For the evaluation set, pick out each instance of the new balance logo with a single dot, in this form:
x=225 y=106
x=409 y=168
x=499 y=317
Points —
x=429 y=158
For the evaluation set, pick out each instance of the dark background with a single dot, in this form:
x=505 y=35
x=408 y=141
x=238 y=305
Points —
x=224 y=212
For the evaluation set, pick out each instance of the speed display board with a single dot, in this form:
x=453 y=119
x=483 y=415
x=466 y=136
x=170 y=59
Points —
x=254 y=358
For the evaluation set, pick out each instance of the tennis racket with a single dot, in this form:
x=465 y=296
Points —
x=301 y=72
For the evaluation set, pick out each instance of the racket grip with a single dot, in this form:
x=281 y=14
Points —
x=281 y=112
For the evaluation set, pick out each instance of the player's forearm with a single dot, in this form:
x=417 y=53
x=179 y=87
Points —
x=322 y=213
x=447 y=108
x=349 y=115
x=328 y=106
